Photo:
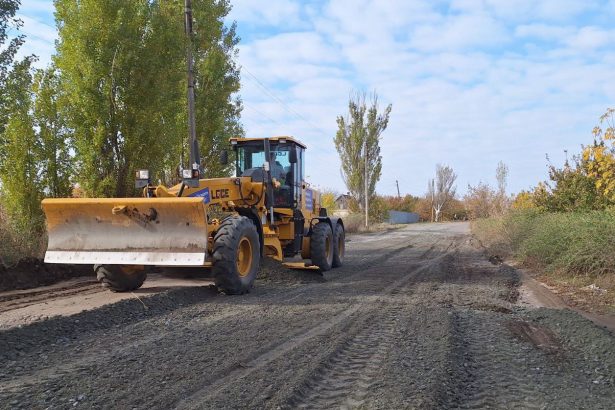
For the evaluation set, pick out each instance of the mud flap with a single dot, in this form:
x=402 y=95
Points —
x=127 y=231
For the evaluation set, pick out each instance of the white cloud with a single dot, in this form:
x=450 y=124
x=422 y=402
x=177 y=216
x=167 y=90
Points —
x=520 y=10
x=273 y=13
x=544 y=31
x=459 y=33
x=592 y=38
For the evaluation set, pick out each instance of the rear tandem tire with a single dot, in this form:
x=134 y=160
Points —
x=339 y=245
x=236 y=255
x=120 y=278
x=321 y=246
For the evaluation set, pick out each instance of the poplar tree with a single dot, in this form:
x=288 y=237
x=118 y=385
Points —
x=54 y=138
x=19 y=171
x=123 y=71
x=358 y=144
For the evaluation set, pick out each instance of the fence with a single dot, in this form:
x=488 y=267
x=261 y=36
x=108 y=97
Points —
x=398 y=217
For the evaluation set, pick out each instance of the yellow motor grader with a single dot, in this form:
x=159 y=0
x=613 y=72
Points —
x=267 y=210
x=226 y=224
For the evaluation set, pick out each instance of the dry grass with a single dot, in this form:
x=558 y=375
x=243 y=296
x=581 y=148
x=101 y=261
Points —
x=575 y=251
x=19 y=243
x=355 y=223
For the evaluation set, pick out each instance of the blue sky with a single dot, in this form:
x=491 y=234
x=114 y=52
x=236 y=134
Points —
x=472 y=82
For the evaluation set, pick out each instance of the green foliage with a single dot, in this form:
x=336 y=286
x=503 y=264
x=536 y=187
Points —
x=19 y=171
x=217 y=81
x=581 y=243
x=8 y=50
x=122 y=66
x=570 y=189
x=54 y=138
x=587 y=183
x=361 y=127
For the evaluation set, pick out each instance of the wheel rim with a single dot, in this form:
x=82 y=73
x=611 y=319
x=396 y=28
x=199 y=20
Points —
x=244 y=257
x=131 y=269
x=341 y=246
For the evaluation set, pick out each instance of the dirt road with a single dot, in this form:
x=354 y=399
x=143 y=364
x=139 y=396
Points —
x=417 y=318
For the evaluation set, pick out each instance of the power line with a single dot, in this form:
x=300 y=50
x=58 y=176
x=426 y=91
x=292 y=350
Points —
x=284 y=105
x=262 y=114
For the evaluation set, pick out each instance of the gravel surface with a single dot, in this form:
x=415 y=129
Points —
x=416 y=318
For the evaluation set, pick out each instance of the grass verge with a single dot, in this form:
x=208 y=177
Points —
x=574 y=251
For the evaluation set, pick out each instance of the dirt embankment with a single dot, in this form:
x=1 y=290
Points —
x=32 y=272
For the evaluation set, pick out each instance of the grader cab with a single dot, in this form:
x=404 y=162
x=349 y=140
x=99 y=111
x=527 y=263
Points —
x=266 y=210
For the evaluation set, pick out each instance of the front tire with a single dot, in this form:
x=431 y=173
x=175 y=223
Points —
x=321 y=246
x=120 y=278
x=236 y=255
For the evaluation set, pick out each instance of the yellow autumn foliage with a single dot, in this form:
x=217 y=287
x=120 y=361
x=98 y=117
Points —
x=599 y=158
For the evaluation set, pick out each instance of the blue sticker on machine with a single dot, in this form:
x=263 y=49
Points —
x=203 y=193
x=309 y=202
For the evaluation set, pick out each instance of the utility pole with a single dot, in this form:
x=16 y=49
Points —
x=366 y=187
x=397 y=183
x=194 y=150
x=432 y=194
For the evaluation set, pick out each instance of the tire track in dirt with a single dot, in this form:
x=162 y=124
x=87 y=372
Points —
x=345 y=379
x=358 y=311
x=93 y=356
x=17 y=300
x=490 y=370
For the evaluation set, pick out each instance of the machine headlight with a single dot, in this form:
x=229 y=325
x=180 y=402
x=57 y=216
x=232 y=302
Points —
x=187 y=173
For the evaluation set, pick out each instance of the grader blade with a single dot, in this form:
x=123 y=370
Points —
x=127 y=231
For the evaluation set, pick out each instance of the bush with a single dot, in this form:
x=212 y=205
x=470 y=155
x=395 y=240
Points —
x=353 y=223
x=581 y=243
x=19 y=242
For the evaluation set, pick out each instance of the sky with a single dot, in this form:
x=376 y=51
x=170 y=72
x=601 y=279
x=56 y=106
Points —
x=471 y=82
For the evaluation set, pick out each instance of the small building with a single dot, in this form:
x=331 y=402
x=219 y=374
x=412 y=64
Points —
x=342 y=202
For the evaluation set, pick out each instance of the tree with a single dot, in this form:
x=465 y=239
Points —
x=570 y=189
x=500 y=199
x=217 y=75
x=122 y=69
x=501 y=175
x=327 y=199
x=357 y=141
x=442 y=189
x=8 y=50
x=524 y=200
x=19 y=171
x=54 y=137
x=480 y=201
x=407 y=203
